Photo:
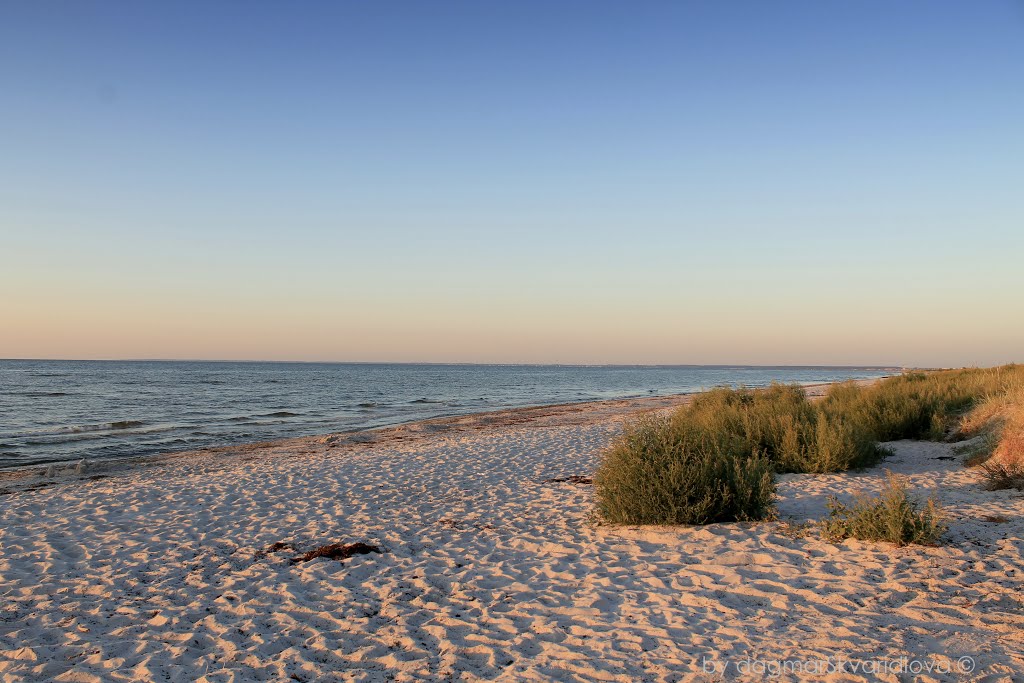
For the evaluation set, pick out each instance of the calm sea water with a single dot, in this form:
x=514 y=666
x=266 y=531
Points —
x=52 y=411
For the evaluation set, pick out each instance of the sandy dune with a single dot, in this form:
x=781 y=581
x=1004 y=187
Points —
x=489 y=571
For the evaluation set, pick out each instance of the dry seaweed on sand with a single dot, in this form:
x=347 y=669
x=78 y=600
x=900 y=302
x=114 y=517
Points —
x=337 y=551
x=275 y=547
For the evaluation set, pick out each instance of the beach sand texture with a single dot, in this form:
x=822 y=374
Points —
x=156 y=570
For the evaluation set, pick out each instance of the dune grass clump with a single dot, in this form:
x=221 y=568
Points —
x=998 y=419
x=708 y=461
x=922 y=405
x=662 y=471
x=892 y=516
x=983 y=404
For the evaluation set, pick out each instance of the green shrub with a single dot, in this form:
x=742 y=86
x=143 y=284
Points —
x=662 y=472
x=892 y=516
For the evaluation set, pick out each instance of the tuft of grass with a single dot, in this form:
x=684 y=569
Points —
x=999 y=475
x=892 y=516
x=660 y=471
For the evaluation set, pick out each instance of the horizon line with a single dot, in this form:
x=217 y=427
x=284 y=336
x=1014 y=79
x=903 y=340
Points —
x=872 y=366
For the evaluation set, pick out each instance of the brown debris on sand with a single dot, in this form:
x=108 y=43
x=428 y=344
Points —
x=274 y=548
x=337 y=551
x=995 y=519
x=571 y=479
x=280 y=545
x=459 y=525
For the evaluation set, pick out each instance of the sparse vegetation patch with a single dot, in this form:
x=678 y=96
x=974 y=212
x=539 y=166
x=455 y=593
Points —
x=892 y=516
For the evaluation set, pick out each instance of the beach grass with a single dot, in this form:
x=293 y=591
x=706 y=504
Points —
x=707 y=461
x=929 y=405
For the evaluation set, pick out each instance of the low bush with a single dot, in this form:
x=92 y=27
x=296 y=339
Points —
x=661 y=471
x=892 y=516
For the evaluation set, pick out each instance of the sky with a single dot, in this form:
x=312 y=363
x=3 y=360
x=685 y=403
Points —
x=538 y=182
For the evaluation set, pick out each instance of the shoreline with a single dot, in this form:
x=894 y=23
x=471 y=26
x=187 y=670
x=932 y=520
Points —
x=554 y=414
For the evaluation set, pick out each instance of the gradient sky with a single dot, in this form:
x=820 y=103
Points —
x=656 y=182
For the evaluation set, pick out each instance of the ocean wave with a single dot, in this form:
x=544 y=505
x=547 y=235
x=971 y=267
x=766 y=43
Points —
x=126 y=424
x=424 y=400
x=39 y=394
x=98 y=435
x=80 y=429
x=104 y=427
x=366 y=404
x=279 y=413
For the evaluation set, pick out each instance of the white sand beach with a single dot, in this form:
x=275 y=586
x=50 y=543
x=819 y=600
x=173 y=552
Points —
x=156 y=569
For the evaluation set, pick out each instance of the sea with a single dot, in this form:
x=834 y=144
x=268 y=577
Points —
x=61 y=411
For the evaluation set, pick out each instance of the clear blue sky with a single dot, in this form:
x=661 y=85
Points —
x=784 y=182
